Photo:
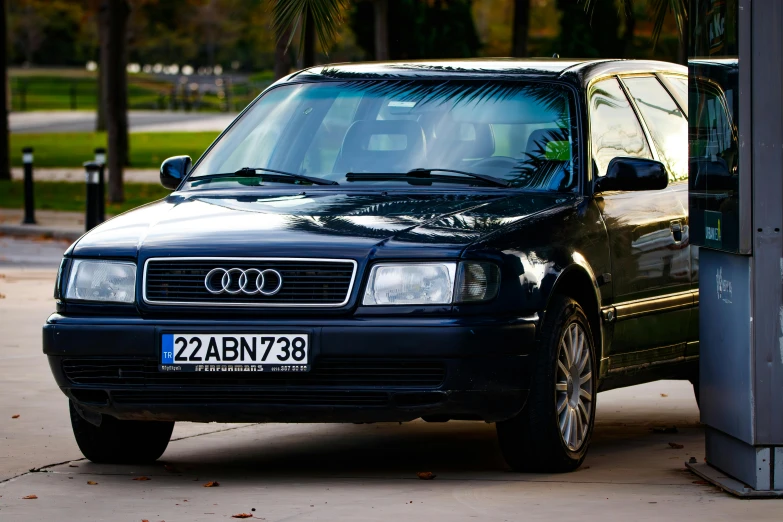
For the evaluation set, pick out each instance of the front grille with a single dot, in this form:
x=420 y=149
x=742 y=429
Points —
x=324 y=373
x=305 y=282
x=255 y=397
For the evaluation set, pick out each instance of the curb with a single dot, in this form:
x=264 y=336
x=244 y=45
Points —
x=38 y=231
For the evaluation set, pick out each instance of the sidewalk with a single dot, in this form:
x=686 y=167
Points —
x=77 y=175
x=139 y=121
x=58 y=224
x=50 y=224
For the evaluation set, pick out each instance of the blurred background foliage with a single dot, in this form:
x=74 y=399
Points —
x=237 y=34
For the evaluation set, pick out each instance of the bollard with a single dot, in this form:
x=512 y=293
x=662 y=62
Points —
x=91 y=174
x=29 y=200
x=100 y=159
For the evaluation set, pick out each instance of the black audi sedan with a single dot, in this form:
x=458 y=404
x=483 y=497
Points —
x=490 y=240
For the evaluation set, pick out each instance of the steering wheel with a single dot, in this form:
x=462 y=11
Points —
x=497 y=162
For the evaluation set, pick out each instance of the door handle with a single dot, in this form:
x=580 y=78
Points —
x=676 y=228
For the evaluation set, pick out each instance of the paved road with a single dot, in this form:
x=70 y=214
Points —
x=140 y=121
x=332 y=472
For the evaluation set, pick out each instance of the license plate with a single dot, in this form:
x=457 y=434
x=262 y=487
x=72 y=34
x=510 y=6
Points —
x=279 y=352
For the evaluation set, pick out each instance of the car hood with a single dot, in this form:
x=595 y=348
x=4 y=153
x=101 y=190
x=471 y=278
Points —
x=320 y=224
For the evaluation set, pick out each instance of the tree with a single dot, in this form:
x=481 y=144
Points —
x=317 y=20
x=114 y=15
x=282 y=56
x=5 y=163
x=589 y=34
x=381 y=15
x=419 y=29
x=520 y=28
x=660 y=10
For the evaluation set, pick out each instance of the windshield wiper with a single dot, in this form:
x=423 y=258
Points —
x=426 y=174
x=267 y=174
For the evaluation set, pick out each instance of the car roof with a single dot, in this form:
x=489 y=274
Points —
x=578 y=71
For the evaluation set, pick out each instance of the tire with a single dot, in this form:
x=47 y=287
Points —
x=120 y=441
x=533 y=440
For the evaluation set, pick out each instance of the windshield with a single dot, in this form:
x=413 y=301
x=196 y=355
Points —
x=518 y=132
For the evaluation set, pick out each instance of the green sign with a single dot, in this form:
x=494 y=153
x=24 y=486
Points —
x=713 y=233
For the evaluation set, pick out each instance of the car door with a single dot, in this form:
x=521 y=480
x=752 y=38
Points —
x=648 y=230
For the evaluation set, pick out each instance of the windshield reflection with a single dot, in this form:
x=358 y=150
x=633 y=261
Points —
x=519 y=132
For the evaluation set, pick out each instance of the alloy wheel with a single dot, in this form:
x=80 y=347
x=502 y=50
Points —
x=574 y=386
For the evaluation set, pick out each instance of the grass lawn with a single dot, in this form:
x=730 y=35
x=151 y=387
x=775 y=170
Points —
x=64 y=89
x=64 y=195
x=72 y=149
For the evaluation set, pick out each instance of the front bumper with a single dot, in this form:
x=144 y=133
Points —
x=362 y=370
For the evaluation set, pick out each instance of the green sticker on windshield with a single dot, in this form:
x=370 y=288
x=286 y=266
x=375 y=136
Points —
x=558 y=150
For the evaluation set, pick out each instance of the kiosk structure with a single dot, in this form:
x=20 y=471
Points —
x=736 y=219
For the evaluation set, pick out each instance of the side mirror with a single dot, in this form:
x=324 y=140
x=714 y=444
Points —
x=173 y=171
x=633 y=174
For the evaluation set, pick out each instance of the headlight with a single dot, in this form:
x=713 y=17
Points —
x=411 y=284
x=112 y=281
x=432 y=283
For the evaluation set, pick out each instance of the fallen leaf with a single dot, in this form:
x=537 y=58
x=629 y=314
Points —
x=212 y=484
x=2 y=296
x=145 y=520
x=664 y=395
x=73 y=466
x=674 y=445
x=141 y=478
x=30 y=497
x=92 y=483
x=426 y=475
x=242 y=515
x=15 y=416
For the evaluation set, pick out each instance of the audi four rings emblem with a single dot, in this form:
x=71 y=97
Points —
x=249 y=281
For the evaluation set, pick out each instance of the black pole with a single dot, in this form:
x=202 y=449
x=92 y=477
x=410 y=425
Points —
x=29 y=199
x=100 y=159
x=91 y=174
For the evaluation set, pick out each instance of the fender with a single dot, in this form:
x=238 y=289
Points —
x=579 y=281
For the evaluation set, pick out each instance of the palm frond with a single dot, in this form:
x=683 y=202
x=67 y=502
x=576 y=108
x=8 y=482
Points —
x=325 y=15
x=660 y=8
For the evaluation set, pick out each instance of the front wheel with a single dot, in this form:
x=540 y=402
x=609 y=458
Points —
x=552 y=433
x=120 y=441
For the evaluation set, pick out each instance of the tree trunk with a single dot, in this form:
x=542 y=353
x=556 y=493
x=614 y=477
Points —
x=282 y=56
x=520 y=29
x=100 y=114
x=308 y=56
x=682 y=51
x=114 y=14
x=628 y=34
x=5 y=160
x=381 y=13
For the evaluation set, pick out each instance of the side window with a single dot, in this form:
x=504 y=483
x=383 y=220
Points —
x=614 y=129
x=680 y=83
x=668 y=125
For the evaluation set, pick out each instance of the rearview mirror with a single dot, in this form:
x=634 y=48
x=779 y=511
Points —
x=173 y=171
x=633 y=174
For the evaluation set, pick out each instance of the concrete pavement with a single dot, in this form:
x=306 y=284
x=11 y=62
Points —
x=139 y=121
x=334 y=472
x=66 y=226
